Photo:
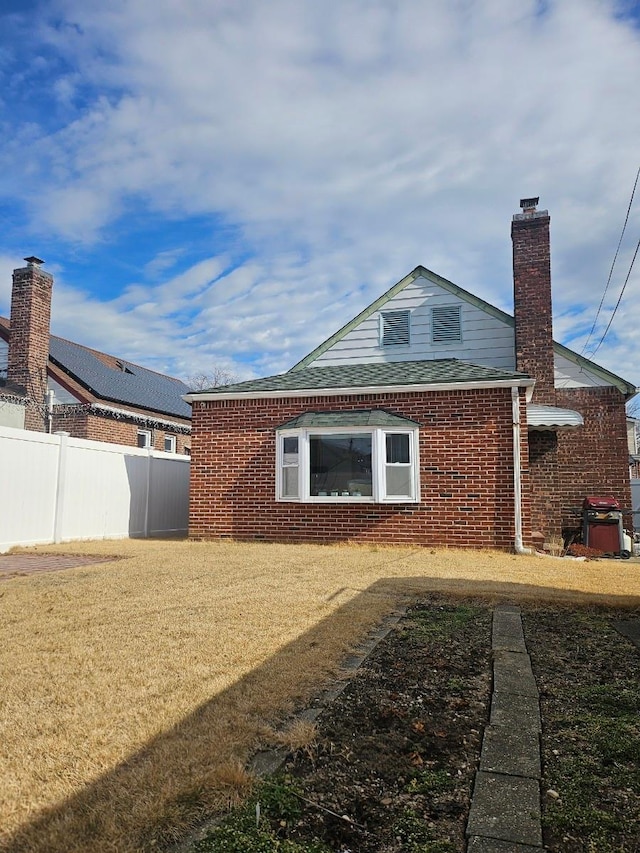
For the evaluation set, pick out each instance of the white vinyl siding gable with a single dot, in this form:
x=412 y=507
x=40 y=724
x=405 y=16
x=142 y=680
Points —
x=568 y=374
x=484 y=338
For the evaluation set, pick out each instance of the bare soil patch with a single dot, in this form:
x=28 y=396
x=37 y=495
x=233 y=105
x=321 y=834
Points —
x=399 y=750
x=392 y=767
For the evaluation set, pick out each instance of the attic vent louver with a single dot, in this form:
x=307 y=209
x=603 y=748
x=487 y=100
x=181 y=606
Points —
x=395 y=328
x=446 y=324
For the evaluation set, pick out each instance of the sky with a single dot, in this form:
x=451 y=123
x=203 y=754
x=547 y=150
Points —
x=219 y=185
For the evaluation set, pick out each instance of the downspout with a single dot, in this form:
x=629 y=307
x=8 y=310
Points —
x=517 y=475
x=50 y=399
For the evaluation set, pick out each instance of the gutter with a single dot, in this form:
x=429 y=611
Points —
x=355 y=390
x=140 y=418
x=517 y=476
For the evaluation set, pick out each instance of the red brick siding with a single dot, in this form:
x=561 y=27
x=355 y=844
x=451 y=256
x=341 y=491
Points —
x=466 y=473
x=29 y=340
x=593 y=460
x=546 y=511
x=532 y=303
x=91 y=426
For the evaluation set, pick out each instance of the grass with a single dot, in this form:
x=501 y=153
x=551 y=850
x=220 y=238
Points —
x=591 y=732
x=261 y=824
x=415 y=835
x=135 y=690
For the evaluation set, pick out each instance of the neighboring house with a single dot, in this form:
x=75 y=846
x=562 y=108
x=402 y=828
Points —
x=633 y=424
x=50 y=384
x=432 y=417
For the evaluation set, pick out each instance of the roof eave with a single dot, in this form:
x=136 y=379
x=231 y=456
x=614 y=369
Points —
x=206 y=397
x=626 y=388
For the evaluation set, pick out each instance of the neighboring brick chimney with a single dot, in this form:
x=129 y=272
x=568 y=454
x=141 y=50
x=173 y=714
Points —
x=29 y=338
x=532 y=298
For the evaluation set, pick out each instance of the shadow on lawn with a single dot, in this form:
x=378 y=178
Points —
x=164 y=789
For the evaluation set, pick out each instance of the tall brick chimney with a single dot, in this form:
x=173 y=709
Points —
x=532 y=298
x=29 y=338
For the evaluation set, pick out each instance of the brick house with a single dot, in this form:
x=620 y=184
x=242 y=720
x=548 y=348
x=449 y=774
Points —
x=49 y=384
x=431 y=418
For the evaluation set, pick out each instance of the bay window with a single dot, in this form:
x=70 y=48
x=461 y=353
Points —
x=325 y=463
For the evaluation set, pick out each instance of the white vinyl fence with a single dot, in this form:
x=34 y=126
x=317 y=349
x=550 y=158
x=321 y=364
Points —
x=56 y=489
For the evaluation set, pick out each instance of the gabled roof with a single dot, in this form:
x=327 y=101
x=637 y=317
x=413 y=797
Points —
x=107 y=378
x=437 y=374
x=626 y=388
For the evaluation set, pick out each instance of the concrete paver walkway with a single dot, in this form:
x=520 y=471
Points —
x=505 y=810
x=19 y=565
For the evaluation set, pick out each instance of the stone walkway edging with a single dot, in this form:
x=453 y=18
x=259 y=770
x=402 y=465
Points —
x=505 y=812
x=268 y=761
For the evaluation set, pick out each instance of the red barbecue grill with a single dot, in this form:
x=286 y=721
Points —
x=602 y=525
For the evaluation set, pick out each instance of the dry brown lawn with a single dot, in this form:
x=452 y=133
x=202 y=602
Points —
x=134 y=691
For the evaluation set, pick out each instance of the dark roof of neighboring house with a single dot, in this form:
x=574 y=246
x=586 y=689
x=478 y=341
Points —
x=374 y=374
x=114 y=380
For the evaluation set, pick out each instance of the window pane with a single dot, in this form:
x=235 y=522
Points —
x=398 y=448
x=290 y=444
x=290 y=450
x=290 y=482
x=340 y=465
x=398 y=481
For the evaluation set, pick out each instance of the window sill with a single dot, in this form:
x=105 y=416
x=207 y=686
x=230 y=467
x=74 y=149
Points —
x=340 y=499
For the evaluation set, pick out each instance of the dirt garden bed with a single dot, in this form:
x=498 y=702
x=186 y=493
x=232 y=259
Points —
x=391 y=768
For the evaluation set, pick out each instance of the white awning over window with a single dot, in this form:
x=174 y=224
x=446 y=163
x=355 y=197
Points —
x=552 y=418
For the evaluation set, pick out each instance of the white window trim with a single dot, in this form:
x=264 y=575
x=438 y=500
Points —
x=148 y=438
x=378 y=480
x=172 y=440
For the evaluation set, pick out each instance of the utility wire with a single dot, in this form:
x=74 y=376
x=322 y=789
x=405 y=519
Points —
x=604 y=334
x=615 y=257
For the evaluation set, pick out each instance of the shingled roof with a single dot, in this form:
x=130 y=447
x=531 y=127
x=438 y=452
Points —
x=449 y=371
x=114 y=380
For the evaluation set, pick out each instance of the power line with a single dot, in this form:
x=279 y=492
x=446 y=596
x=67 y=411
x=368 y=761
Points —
x=604 y=334
x=615 y=257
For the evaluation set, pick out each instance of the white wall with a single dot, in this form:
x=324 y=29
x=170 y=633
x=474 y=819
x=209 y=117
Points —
x=11 y=414
x=57 y=489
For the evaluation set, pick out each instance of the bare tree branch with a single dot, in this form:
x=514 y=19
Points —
x=217 y=377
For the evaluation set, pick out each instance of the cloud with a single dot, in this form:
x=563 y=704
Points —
x=345 y=142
